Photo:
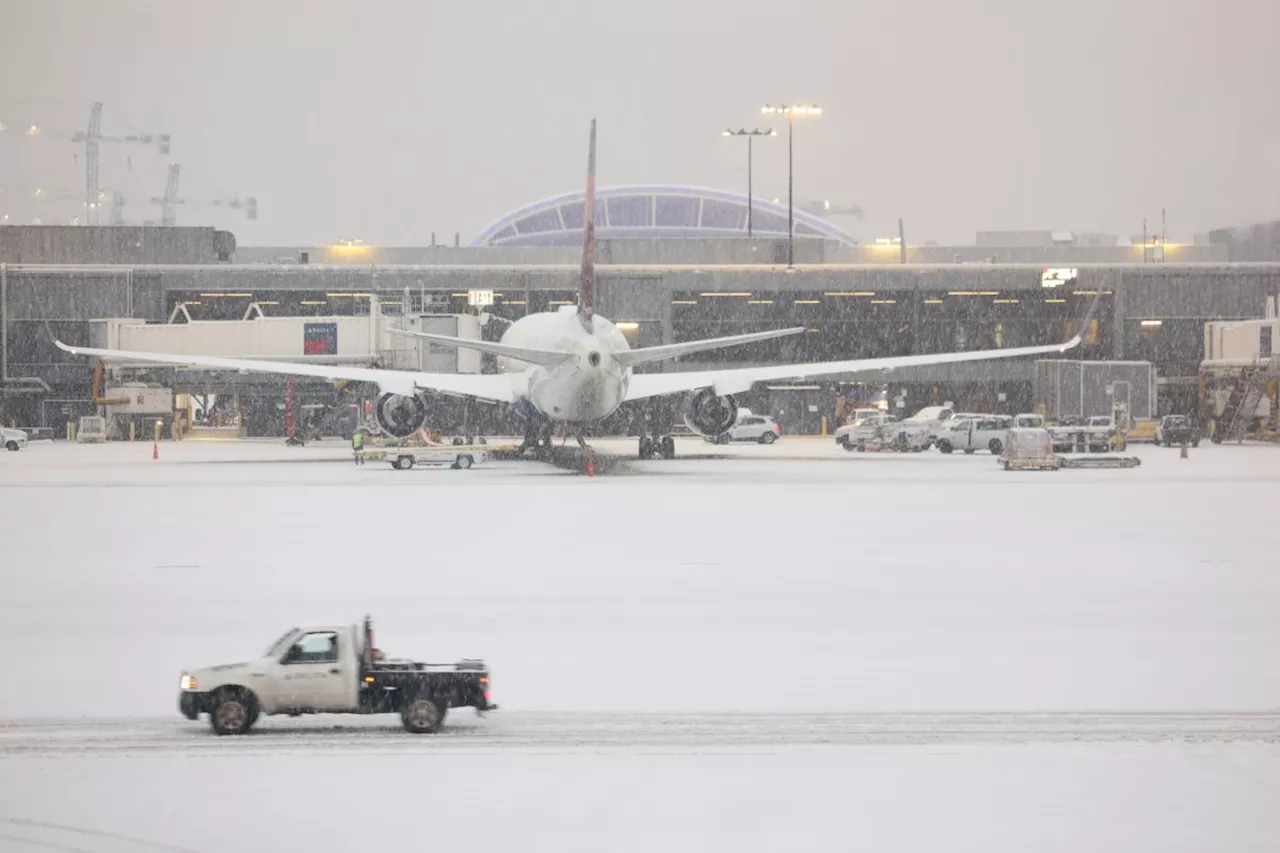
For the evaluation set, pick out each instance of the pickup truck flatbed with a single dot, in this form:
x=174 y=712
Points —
x=332 y=670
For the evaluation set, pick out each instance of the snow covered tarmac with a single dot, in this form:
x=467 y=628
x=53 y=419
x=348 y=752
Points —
x=838 y=601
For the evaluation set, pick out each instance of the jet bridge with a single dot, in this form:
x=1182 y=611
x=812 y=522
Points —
x=258 y=397
x=359 y=340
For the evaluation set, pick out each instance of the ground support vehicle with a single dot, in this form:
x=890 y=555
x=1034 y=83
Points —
x=13 y=439
x=1101 y=460
x=1094 y=435
x=404 y=458
x=332 y=670
x=888 y=438
x=851 y=435
x=1175 y=430
x=972 y=434
x=1029 y=449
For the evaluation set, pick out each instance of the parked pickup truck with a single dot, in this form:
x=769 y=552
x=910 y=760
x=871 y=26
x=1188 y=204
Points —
x=1091 y=435
x=332 y=670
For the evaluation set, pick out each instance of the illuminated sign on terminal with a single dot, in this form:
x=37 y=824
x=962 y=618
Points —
x=1057 y=277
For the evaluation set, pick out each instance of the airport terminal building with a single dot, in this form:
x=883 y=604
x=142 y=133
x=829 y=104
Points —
x=675 y=264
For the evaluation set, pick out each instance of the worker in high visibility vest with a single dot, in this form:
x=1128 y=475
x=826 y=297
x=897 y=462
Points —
x=357 y=444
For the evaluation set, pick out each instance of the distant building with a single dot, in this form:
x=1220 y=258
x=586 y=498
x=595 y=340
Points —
x=652 y=212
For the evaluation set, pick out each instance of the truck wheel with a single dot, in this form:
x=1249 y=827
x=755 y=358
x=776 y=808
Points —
x=995 y=447
x=464 y=462
x=404 y=463
x=232 y=713
x=945 y=446
x=768 y=438
x=12 y=445
x=422 y=716
x=668 y=447
x=646 y=447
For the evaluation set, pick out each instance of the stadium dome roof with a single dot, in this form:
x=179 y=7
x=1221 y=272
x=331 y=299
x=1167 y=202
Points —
x=658 y=211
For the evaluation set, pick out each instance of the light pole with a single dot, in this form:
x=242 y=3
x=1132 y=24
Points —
x=750 y=135
x=791 y=111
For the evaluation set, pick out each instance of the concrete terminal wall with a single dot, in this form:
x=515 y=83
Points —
x=115 y=244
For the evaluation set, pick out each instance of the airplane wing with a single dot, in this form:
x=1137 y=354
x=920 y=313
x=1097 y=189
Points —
x=660 y=353
x=740 y=380
x=496 y=387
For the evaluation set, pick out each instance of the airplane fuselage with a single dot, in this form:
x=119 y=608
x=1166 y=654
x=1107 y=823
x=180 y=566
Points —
x=589 y=386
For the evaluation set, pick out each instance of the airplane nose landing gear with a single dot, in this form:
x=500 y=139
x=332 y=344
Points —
x=664 y=446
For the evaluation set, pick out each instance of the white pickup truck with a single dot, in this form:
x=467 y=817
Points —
x=863 y=429
x=331 y=669
x=1085 y=435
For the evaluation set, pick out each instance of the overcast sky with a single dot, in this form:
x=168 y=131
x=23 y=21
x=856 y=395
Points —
x=386 y=121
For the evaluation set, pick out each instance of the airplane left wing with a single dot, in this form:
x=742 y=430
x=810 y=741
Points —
x=740 y=380
x=497 y=387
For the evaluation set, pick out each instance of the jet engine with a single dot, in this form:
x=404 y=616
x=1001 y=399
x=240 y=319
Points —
x=400 y=417
x=709 y=415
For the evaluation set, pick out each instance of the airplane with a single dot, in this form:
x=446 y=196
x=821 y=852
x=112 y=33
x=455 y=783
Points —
x=573 y=366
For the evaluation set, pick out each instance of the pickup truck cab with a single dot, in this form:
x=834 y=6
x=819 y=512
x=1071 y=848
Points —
x=331 y=669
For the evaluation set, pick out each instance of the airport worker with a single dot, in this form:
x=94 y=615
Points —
x=357 y=444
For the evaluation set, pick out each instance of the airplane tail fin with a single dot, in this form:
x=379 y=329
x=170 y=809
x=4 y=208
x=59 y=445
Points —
x=587 y=282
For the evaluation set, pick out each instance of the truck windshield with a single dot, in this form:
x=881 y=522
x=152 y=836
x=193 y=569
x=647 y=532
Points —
x=276 y=648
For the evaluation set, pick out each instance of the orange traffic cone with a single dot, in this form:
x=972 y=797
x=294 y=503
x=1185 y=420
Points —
x=155 y=450
x=591 y=466
x=1184 y=450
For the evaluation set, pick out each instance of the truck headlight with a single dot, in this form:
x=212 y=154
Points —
x=188 y=683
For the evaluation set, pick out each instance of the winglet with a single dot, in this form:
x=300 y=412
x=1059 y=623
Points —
x=587 y=282
x=1084 y=324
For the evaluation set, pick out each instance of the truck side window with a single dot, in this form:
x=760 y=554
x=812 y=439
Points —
x=317 y=647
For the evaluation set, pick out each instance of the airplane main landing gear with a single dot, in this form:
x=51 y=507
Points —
x=664 y=446
x=537 y=437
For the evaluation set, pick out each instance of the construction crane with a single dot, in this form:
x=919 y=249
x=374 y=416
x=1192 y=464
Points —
x=168 y=201
x=92 y=137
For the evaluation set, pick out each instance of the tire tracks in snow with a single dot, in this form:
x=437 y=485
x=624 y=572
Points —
x=540 y=730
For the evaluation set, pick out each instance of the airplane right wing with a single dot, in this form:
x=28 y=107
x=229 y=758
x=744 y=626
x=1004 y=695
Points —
x=739 y=380
x=497 y=387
